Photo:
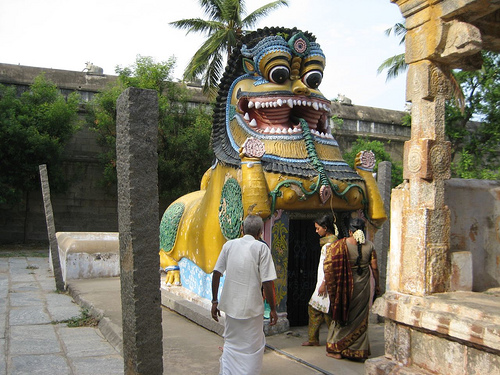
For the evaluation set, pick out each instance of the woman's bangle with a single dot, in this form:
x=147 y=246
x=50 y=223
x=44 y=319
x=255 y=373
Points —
x=215 y=301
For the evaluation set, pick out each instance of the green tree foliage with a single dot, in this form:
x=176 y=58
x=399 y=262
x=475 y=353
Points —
x=226 y=24
x=475 y=132
x=34 y=128
x=381 y=154
x=183 y=130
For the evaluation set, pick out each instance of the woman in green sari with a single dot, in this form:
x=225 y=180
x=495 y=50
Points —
x=351 y=276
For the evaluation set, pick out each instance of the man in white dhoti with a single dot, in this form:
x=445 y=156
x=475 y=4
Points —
x=249 y=266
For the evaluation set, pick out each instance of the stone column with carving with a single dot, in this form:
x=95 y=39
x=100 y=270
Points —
x=418 y=332
x=421 y=243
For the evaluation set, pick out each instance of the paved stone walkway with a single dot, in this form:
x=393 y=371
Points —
x=35 y=340
x=33 y=337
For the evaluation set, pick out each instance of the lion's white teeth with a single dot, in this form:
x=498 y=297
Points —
x=258 y=105
x=315 y=106
x=290 y=131
x=290 y=103
x=267 y=131
x=253 y=123
x=279 y=102
x=251 y=104
x=246 y=117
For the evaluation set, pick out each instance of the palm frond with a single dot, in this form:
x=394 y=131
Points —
x=250 y=20
x=399 y=29
x=197 y=25
x=214 y=45
x=395 y=66
x=232 y=10
x=456 y=91
x=212 y=8
x=211 y=77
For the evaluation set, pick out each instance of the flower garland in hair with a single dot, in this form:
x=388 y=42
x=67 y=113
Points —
x=359 y=236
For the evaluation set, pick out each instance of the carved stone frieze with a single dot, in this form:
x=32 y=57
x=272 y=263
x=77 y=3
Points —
x=427 y=159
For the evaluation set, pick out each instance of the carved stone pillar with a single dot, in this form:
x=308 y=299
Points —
x=423 y=325
x=435 y=44
x=425 y=218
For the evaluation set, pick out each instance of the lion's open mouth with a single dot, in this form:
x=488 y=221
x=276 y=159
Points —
x=273 y=115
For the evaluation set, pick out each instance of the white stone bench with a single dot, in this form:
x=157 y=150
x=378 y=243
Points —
x=85 y=255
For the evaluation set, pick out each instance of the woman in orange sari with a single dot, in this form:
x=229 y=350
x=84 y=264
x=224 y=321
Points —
x=350 y=269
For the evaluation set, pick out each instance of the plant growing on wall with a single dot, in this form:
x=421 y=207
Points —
x=34 y=129
x=183 y=130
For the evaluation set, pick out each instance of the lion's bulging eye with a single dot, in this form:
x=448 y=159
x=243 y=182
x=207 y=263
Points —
x=313 y=79
x=279 y=74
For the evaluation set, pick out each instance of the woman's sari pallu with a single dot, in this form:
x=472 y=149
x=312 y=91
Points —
x=350 y=301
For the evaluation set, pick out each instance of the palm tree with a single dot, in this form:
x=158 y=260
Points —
x=225 y=27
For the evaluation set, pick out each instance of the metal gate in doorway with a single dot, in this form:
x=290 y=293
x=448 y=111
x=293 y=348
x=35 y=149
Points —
x=303 y=258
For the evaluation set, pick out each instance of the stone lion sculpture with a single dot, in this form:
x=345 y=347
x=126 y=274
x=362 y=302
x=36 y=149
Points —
x=274 y=151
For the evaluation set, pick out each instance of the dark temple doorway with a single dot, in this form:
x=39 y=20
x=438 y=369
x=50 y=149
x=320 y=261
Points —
x=303 y=258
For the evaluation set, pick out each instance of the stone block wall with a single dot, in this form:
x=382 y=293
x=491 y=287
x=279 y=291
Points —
x=88 y=206
x=475 y=233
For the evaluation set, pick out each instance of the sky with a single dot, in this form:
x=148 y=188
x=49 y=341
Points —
x=65 y=34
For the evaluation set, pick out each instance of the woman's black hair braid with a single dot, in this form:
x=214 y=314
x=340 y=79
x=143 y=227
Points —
x=354 y=225
x=358 y=260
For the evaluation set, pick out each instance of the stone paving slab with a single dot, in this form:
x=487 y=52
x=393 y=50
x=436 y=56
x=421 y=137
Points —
x=28 y=315
x=110 y=365
x=31 y=340
x=87 y=343
x=53 y=364
x=30 y=298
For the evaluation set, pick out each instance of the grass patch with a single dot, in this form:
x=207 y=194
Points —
x=84 y=320
x=24 y=253
x=36 y=250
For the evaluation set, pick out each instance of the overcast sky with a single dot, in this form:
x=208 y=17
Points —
x=65 y=34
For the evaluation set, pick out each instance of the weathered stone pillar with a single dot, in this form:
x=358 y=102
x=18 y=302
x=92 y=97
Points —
x=382 y=236
x=424 y=325
x=51 y=228
x=426 y=219
x=435 y=44
x=137 y=168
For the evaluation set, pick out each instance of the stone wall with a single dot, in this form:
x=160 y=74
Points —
x=475 y=234
x=377 y=124
x=88 y=206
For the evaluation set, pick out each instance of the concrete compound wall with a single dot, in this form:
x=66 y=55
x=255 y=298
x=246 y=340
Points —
x=475 y=233
x=88 y=206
